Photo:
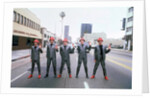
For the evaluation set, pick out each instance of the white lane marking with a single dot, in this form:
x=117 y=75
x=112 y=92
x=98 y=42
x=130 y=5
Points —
x=18 y=76
x=86 y=85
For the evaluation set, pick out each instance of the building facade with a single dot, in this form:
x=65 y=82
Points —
x=128 y=45
x=94 y=36
x=45 y=36
x=26 y=28
x=86 y=29
x=66 y=32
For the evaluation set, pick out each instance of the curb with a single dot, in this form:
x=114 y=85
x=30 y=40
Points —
x=20 y=58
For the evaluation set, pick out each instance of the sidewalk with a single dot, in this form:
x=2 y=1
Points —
x=19 y=54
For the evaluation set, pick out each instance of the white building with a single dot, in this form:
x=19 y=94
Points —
x=116 y=43
x=26 y=28
x=94 y=36
x=129 y=29
x=46 y=35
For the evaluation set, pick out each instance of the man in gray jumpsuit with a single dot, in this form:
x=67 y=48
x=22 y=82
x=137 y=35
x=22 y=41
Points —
x=51 y=56
x=35 y=58
x=83 y=49
x=100 y=54
x=65 y=51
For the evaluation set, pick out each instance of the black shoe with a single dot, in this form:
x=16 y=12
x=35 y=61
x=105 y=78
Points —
x=76 y=76
x=46 y=76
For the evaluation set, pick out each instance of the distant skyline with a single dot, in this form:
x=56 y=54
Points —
x=103 y=19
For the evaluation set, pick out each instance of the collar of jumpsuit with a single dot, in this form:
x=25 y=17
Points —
x=82 y=45
x=65 y=47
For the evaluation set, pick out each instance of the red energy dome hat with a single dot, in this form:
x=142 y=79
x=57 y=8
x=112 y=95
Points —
x=65 y=40
x=51 y=38
x=100 y=39
x=82 y=39
x=36 y=41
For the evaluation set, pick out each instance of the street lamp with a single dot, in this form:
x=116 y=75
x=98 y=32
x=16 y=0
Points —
x=62 y=15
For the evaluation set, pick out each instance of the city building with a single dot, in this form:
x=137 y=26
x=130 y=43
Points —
x=66 y=32
x=115 y=43
x=70 y=39
x=45 y=36
x=94 y=36
x=26 y=28
x=128 y=28
x=86 y=29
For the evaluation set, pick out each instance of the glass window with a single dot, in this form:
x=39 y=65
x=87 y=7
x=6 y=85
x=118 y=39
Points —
x=33 y=25
x=130 y=9
x=18 y=18
x=15 y=40
x=28 y=43
x=25 y=21
x=44 y=35
x=30 y=23
x=21 y=18
x=38 y=27
x=130 y=19
x=129 y=29
x=14 y=19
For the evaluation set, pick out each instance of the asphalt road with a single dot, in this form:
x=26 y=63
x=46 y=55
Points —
x=118 y=66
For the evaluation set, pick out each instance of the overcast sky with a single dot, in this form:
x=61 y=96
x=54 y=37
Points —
x=106 y=20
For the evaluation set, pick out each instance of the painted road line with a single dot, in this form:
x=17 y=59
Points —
x=120 y=64
x=18 y=76
x=121 y=59
x=86 y=85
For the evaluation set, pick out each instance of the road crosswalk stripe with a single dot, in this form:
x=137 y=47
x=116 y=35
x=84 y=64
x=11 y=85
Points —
x=120 y=64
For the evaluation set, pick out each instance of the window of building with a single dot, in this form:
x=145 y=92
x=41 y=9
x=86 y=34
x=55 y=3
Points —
x=130 y=9
x=14 y=19
x=38 y=27
x=15 y=40
x=28 y=43
x=130 y=29
x=130 y=19
x=21 y=18
x=45 y=35
x=33 y=25
x=30 y=24
x=25 y=23
x=18 y=18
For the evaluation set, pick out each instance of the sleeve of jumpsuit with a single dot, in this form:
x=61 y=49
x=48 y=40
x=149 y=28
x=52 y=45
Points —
x=89 y=48
x=71 y=50
x=47 y=52
x=107 y=50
